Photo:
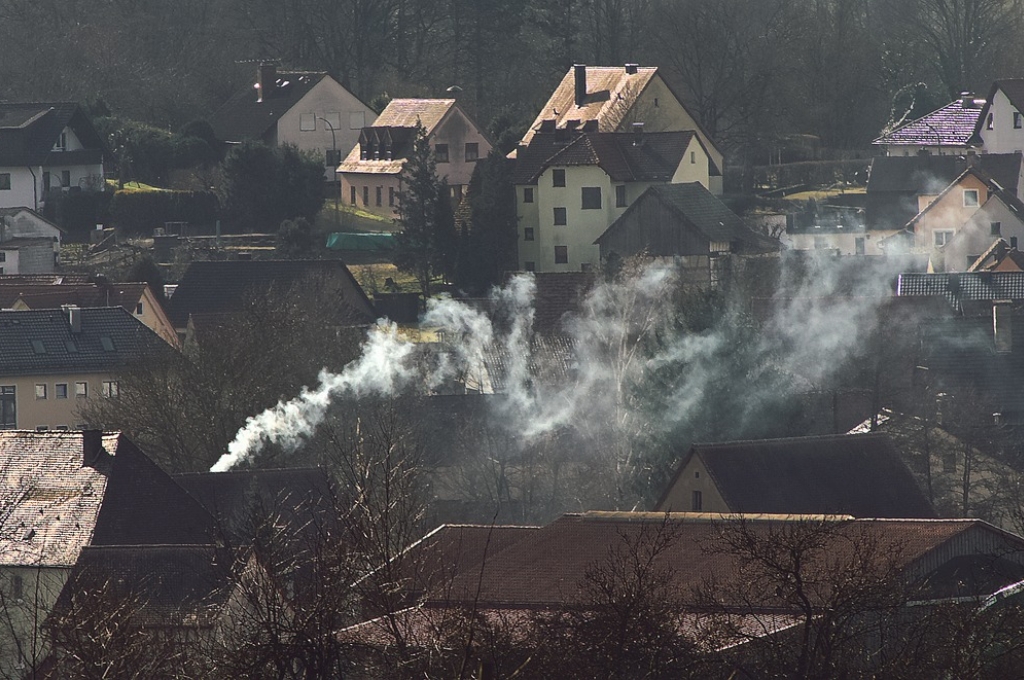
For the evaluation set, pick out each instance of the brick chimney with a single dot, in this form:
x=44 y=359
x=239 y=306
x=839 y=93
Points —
x=580 y=76
x=266 y=79
x=92 y=448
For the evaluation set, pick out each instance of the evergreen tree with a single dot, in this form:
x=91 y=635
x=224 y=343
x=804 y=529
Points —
x=426 y=244
x=488 y=244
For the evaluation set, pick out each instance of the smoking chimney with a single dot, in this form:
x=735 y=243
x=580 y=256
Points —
x=1001 y=330
x=967 y=100
x=266 y=79
x=580 y=75
x=92 y=448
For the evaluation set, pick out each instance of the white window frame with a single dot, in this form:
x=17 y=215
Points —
x=941 y=237
x=975 y=201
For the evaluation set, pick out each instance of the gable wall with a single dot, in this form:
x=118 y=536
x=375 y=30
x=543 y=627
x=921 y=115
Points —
x=948 y=212
x=26 y=225
x=1003 y=137
x=976 y=235
x=456 y=130
x=693 y=477
x=693 y=167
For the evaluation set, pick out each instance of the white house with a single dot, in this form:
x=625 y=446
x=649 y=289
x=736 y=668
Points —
x=1000 y=125
x=47 y=147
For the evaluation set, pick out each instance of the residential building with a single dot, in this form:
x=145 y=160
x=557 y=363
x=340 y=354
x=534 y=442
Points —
x=571 y=184
x=225 y=287
x=55 y=360
x=947 y=131
x=371 y=172
x=1000 y=219
x=309 y=110
x=860 y=475
x=687 y=224
x=44 y=148
x=1000 y=124
x=1000 y=257
x=615 y=99
x=29 y=243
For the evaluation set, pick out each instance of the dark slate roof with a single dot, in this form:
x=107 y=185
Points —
x=546 y=567
x=950 y=125
x=28 y=132
x=300 y=498
x=243 y=117
x=225 y=287
x=40 y=341
x=697 y=209
x=160 y=585
x=552 y=360
x=962 y=287
x=48 y=295
x=654 y=159
x=919 y=174
x=860 y=475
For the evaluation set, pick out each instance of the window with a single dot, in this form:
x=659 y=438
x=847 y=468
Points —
x=820 y=243
x=8 y=408
x=620 y=196
x=353 y=191
x=561 y=254
x=1018 y=123
x=366 y=195
x=591 y=198
x=472 y=151
x=60 y=391
x=46 y=182
x=693 y=158
x=995 y=228
x=970 y=198
x=990 y=122
x=860 y=246
x=558 y=178
x=697 y=501
x=942 y=237
x=391 y=196
x=356 y=120
x=17 y=587
x=62 y=142
x=65 y=178
x=528 y=234
x=3 y=256
x=441 y=153
x=528 y=195
x=40 y=390
x=560 y=216
x=138 y=308
x=307 y=122
x=81 y=390
x=379 y=196
x=529 y=266
x=332 y=121
x=110 y=389
x=5 y=181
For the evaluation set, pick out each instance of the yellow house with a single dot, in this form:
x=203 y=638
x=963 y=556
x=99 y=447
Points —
x=55 y=360
x=572 y=184
x=371 y=173
x=941 y=216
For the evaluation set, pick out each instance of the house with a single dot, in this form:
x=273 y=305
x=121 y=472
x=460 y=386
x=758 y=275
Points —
x=859 y=475
x=138 y=299
x=1000 y=219
x=571 y=184
x=1000 y=124
x=947 y=131
x=617 y=98
x=684 y=222
x=55 y=360
x=371 y=173
x=225 y=287
x=309 y=110
x=967 y=293
x=47 y=147
x=29 y=243
x=1000 y=257
x=62 y=492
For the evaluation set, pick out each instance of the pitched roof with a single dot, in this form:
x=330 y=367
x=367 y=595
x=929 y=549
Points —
x=408 y=113
x=611 y=92
x=552 y=359
x=53 y=503
x=1013 y=88
x=654 y=159
x=42 y=342
x=29 y=131
x=950 y=125
x=999 y=257
x=697 y=209
x=959 y=288
x=547 y=566
x=157 y=585
x=51 y=295
x=244 y=117
x=859 y=475
x=224 y=287
x=558 y=294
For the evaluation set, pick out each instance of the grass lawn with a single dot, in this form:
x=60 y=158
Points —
x=347 y=218
x=133 y=186
x=825 y=194
x=372 y=277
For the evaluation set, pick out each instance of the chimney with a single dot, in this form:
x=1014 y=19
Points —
x=967 y=100
x=631 y=69
x=1001 y=330
x=638 y=134
x=1013 y=242
x=580 y=74
x=74 y=318
x=266 y=79
x=92 y=448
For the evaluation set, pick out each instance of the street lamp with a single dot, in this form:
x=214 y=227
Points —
x=334 y=164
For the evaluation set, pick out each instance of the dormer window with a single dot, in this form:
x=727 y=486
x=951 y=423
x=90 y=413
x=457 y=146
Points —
x=62 y=142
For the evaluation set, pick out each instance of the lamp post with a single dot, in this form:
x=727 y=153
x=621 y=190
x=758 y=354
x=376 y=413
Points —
x=334 y=157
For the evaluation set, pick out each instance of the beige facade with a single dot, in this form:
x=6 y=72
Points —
x=942 y=216
x=694 y=491
x=51 y=402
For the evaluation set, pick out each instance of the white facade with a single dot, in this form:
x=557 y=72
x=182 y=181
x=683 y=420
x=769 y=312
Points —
x=1002 y=130
x=28 y=186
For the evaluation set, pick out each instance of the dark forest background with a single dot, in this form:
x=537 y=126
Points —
x=756 y=72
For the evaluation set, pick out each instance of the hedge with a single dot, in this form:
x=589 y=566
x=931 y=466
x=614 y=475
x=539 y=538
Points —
x=138 y=212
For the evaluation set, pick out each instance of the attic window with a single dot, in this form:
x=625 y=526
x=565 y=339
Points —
x=107 y=343
x=38 y=347
x=995 y=228
x=1018 y=121
x=70 y=346
x=558 y=178
x=62 y=142
x=5 y=181
x=970 y=198
x=989 y=122
x=307 y=122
